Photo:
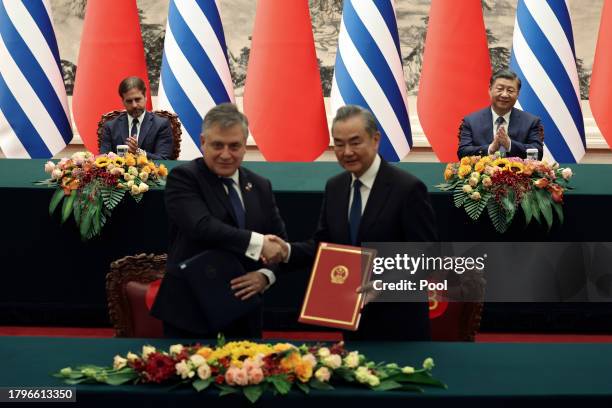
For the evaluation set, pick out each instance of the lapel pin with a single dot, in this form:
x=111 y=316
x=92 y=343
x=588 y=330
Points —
x=248 y=187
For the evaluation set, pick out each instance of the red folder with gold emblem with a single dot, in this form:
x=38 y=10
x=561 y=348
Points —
x=331 y=297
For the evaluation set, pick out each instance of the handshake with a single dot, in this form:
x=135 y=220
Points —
x=275 y=250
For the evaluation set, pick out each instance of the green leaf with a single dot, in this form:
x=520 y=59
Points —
x=497 y=216
x=253 y=392
x=475 y=208
x=421 y=378
x=67 y=207
x=303 y=387
x=86 y=220
x=226 y=390
x=137 y=198
x=55 y=200
x=410 y=387
x=526 y=206
x=74 y=382
x=121 y=378
x=543 y=198
x=559 y=210
x=280 y=383
x=201 y=385
x=387 y=385
x=346 y=374
x=535 y=208
x=459 y=196
x=318 y=385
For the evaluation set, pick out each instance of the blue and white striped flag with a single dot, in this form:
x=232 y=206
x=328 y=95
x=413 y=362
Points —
x=195 y=75
x=369 y=72
x=544 y=57
x=34 y=118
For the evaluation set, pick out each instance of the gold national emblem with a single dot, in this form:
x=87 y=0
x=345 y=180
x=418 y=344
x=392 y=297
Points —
x=339 y=273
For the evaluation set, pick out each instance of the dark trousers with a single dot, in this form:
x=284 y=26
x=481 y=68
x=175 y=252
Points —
x=247 y=327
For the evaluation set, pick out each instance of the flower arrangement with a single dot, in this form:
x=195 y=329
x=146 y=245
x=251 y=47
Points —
x=90 y=187
x=252 y=368
x=502 y=184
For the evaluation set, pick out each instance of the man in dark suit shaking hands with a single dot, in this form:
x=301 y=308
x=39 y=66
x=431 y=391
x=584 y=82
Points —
x=501 y=127
x=372 y=201
x=137 y=128
x=215 y=204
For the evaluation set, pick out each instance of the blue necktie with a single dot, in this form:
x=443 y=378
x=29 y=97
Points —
x=355 y=213
x=235 y=202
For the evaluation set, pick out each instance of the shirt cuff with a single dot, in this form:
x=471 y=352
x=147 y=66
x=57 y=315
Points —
x=286 y=260
x=255 y=246
x=269 y=274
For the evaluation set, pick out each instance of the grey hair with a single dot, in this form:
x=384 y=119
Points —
x=505 y=74
x=131 y=83
x=225 y=115
x=348 y=111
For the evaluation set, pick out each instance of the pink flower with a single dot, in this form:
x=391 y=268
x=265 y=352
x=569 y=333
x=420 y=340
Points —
x=541 y=183
x=250 y=364
x=49 y=167
x=567 y=173
x=236 y=376
x=255 y=376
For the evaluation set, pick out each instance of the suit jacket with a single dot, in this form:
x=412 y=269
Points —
x=525 y=131
x=398 y=209
x=155 y=136
x=201 y=218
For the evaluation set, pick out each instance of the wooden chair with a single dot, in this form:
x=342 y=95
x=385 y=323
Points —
x=126 y=288
x=175 y=126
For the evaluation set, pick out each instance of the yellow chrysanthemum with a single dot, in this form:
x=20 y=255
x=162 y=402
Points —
x=141 y=160
x=448 y=174
x=464 y=170
x=291 y=361
x=466 y=161
x=130 y=160
x=480 y=166
x=205 y=352
x=238 y=350
x=103 y=161
x=162 y=170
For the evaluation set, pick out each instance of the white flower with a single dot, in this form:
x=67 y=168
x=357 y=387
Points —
x=373 y=381
x=324 y=352
x=333 y=361
x=184 y=370
x=473 y=182
x=56 y=174
x=119 y=362
x=566 y=173
x=146 y=350
x=133 y=171
x=130 y=183
x=204 y=371
x=197 y=360
x=408 y=370
x=467 y=188
x=428 y=363
x=323 y=374
x=135 y=190
x=143 y=175
x=131 y=357
x=143 y=187
x=352 y=359
x=176 y=348
x=362 y=374
x=49 y=167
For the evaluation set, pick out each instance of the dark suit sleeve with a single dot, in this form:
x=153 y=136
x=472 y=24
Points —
x=106 y=144
x=276 y=221
x=303 y=253
x=418 y=219
x=190 y=213
x=534 y=141
x=163 y=143
x=467 y=147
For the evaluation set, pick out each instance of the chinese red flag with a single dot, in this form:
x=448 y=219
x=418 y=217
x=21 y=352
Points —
x=283 y=98
x=600 y=95
x=456 y=72
x=111 y=49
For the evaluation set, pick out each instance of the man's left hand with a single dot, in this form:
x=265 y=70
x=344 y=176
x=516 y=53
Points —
x=249 y=284
x=504 y=139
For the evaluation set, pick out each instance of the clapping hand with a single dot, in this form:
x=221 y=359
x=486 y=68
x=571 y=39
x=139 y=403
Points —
x=132 y=144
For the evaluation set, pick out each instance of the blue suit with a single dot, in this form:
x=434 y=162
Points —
x=525 y=131
x=155 y=136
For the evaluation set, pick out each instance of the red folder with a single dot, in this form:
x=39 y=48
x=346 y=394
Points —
x=331 y=299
